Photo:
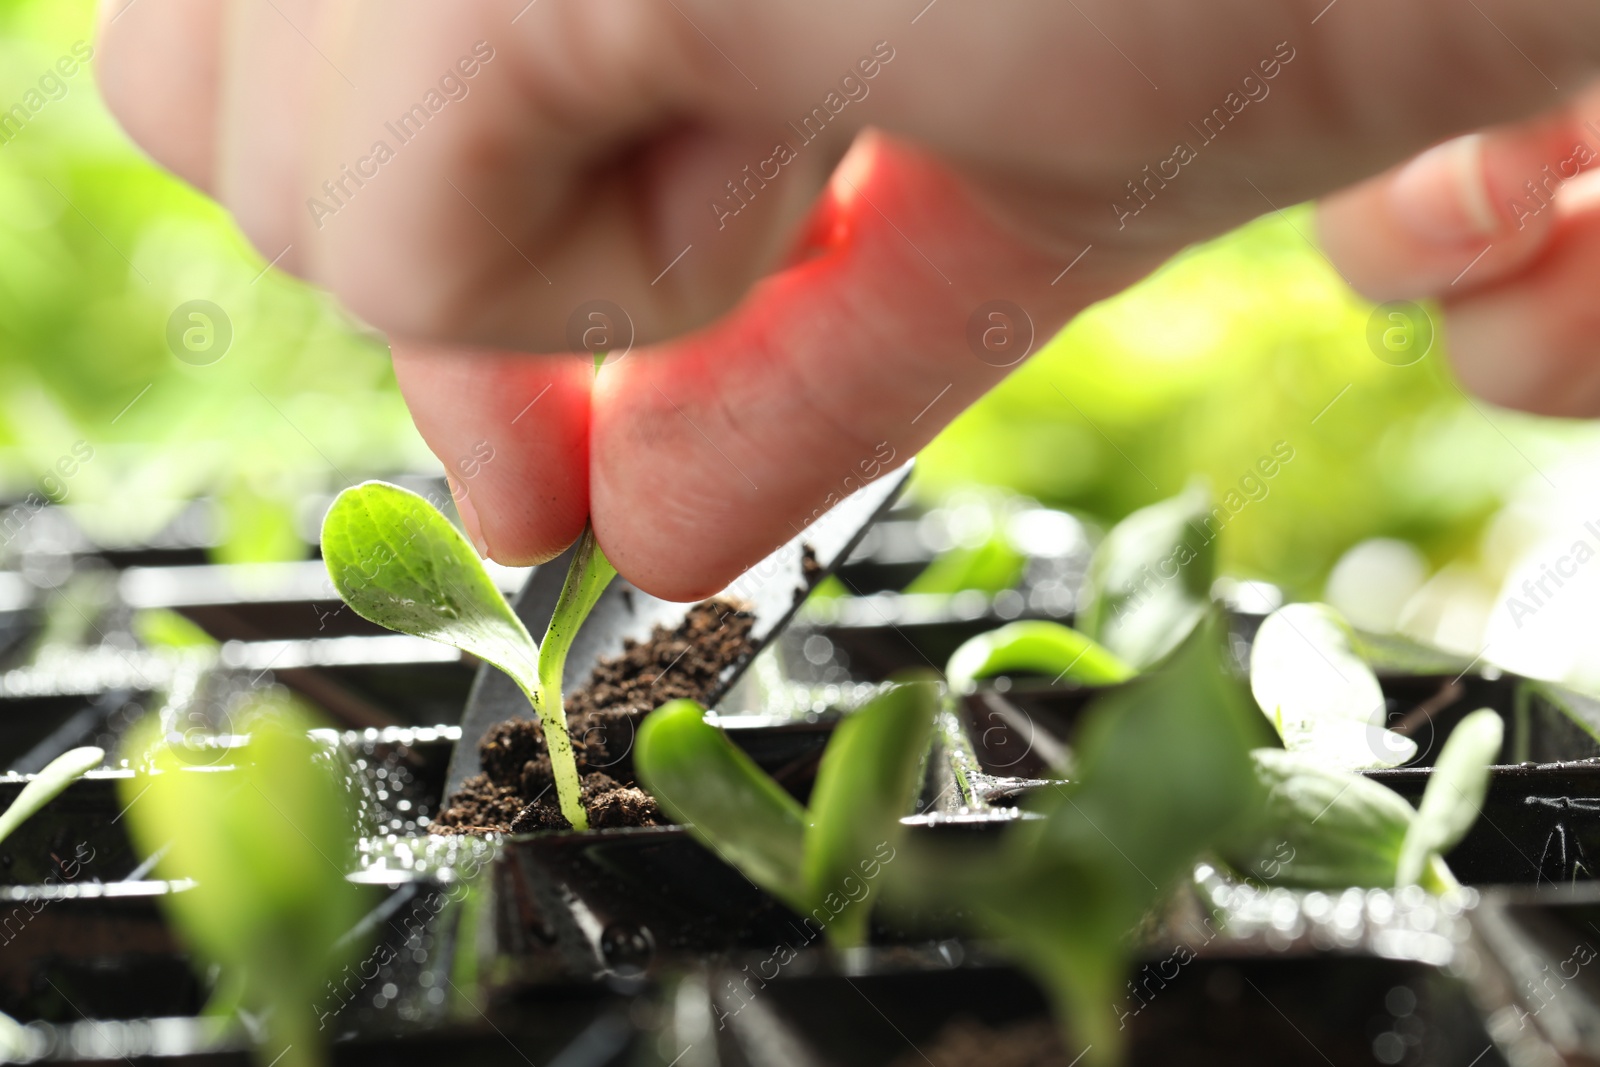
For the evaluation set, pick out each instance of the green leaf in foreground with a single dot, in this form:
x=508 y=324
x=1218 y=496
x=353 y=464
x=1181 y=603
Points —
x=1322 y=697
x=1036 y=646
x=399 y=563
x=267 y=843
x=820 y=862
x=867 y=780
x=1149 y=582
x=49 y=784
x=1454 y=795
x=730 y=805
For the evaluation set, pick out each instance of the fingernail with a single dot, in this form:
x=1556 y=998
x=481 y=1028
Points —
x=469 y=517
x=1442 y=196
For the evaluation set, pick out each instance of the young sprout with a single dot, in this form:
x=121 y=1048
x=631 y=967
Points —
x=267 y=843
x=1319 y=693
x=1327 y=828
x=1035 y=646
x=814 y=859
x=48 y=784
x=399 y=563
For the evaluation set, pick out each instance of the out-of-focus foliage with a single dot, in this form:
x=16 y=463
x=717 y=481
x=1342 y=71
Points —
x=97 y=249
x=1204 y=368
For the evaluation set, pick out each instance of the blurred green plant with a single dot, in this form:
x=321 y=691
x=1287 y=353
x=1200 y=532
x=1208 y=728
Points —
x=1322 y=827
x=266 y=839
x=1035 y=646
x=813 y=858
x=49 y=784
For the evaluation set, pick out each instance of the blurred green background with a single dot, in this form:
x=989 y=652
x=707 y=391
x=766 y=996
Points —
x=1205 y=368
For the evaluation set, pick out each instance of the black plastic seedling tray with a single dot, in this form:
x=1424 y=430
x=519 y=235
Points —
x=588 y=948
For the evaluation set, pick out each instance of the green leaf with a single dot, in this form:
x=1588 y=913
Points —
x=1321 y=696
x=399 y=563
x=991 y=566
x=267 y=842
x=587 y=577
x=1164 y=775
x=1036 y=647
x=1149 y=582
x=868 y=779
x=730 y=805
x=1454 y=795
x=1320 y=827
x=163 y=628
x=48 y=784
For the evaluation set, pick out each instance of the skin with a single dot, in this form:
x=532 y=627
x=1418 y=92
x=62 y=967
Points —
x=831 y=313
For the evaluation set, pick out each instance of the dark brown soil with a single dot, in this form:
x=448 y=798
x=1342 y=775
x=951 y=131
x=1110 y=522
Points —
x=964 y=1041
x=516 y=791
x=809 y=566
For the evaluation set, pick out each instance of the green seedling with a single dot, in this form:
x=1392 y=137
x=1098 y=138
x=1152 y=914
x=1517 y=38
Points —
x=1035 y=647
x=815 y=860
x=399 y=563
x=15 y=1041
x=267 y=842
x=1319 y=693
x=1162 y=775
x=1327 y=828
x=49 y=784
x=1149 y=582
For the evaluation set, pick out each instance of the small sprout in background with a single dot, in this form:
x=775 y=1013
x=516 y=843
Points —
x=1319 y=693
x=1163 y=774
x=1035 y=647
x=16 y=1041
x=165 y=630
x=399 y=563
x=1326 y=828
x=266 y=842
x=1149 y=582
x=49 y=784
x=1454 y=795
x=814 y=860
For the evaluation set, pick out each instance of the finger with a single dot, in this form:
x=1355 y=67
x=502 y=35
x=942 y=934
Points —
x=1529 y=342
x=1461 y=215
x=491 y=176
x=513 y=435
x=277 y=75
x=712 y=450
x=157 y=66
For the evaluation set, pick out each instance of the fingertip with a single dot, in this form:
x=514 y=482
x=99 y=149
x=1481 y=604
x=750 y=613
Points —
x=512 y=432
x=156 y=63
x=1530 y=342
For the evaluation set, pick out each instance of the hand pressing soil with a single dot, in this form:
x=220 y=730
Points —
x=515 y=792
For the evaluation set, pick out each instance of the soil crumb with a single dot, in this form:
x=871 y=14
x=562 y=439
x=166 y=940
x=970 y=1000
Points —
x=516 y=791
x=963 y=1041
x=809 y=566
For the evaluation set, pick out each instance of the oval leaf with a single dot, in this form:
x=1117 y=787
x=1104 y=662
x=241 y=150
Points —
x=1149 y=582
x=731 y=805
x=1321 y=696
x=1321 y=828
x=867 y=780
x=399 y=563
x=1036 y=647
x=1454 y=795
